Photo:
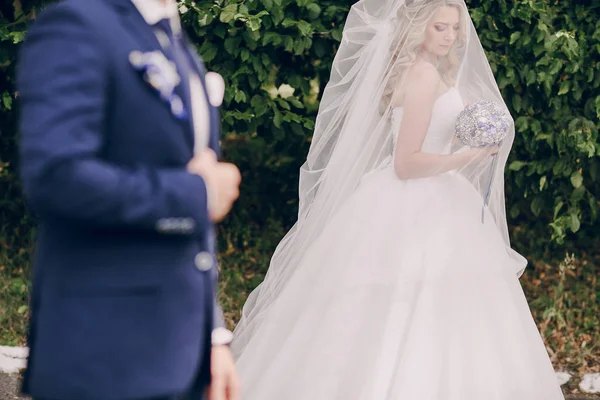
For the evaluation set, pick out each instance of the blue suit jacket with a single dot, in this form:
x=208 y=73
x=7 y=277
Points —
x=124 y=273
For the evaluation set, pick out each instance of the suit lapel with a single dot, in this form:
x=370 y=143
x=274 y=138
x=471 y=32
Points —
x=144 y=35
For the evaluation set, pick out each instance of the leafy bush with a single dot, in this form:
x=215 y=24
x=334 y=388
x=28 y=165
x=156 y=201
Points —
x=546 y=58
x=544 y=54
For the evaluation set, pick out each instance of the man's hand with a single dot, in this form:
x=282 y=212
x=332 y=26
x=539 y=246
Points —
x=222 y=182
x=225 y=384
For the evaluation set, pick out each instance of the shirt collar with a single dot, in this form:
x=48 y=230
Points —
x=154 y=10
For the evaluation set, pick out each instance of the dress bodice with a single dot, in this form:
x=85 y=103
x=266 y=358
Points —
x=441 y=128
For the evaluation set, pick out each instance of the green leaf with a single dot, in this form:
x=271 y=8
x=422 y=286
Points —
x=18 y=37
x=7 y=100
x=295 y=102
x=578 y=194
x=283 y=104
x=536 y=206
x=575 y=224
x=277 y=15
x=557 y=208
x=576 y=179
x=251 y=38
x=288 y=43
x=228 y=13
x=517 y=101
x=288 y=22
x=522 y=124
x=271 y=37
x=240 y=97
x=253 y=24
x=305 y=28
x=593 y=203
x=232 y=45
x=515 y=211
x=259 y=105
x=337 y=34
x=266 y=61
x=208 y=51
x=314 y=10
x=514 y=37
x=565 y=86
x=297 y=129
x=245 y=54
x=277 y=119
x=542 y=182
x=17 y=7
x=517 y=165
x=531 y=77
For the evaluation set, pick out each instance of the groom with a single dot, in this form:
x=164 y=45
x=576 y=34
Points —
x=119 y=136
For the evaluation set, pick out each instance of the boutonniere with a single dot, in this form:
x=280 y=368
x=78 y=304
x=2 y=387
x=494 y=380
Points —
x=161 y=74
x=215 y=88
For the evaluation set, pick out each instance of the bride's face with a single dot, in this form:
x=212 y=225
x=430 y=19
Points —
x=442 y=31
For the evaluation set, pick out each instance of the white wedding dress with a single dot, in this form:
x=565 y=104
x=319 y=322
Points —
x=406 y=295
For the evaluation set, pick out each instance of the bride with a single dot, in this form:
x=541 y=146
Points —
x=391 y=286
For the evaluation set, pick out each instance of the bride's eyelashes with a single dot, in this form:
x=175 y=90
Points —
x=442 y=28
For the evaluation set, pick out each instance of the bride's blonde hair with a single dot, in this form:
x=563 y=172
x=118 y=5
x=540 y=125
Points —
x=411 y=21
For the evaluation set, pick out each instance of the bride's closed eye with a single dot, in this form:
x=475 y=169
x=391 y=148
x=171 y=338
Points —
x=442 y=28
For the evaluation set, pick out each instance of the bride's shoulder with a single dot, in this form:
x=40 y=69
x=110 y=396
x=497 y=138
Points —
x=423 y=76
x=421 y=79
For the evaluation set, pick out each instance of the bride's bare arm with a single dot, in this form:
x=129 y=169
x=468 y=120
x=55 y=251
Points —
x=420 y=94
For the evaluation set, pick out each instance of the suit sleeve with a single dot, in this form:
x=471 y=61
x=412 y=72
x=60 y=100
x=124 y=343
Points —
x=62 y=79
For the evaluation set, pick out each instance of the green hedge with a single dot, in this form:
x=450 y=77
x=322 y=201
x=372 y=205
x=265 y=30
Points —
x=275 y=56
x=545 y=56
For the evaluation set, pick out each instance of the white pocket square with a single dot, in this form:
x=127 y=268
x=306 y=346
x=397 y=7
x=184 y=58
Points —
x=215 y=88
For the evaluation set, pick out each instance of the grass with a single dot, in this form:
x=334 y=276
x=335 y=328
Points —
x=244 y=259
x=14 y=311
x=564 y=294
x=565 y=303
x=15 y=251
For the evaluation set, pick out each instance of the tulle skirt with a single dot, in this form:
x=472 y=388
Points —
x=406 y=295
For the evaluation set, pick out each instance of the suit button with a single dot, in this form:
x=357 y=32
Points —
x=204 y=261
x=163 y=225
x=187 y=225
